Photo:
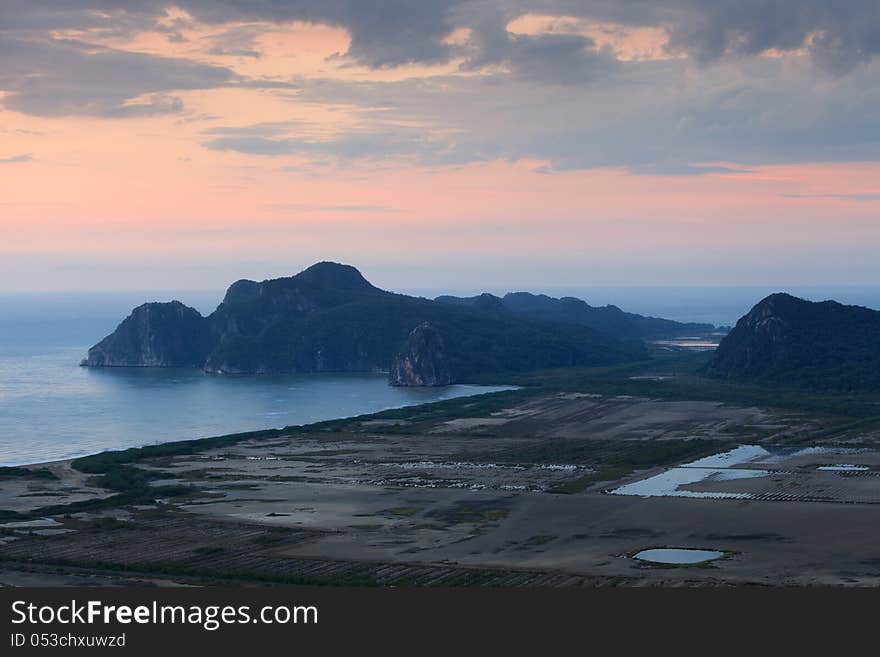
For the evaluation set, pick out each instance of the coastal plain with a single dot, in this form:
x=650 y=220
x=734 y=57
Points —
x=558 y=484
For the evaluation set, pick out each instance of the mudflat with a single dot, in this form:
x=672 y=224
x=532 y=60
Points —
x=516 y=488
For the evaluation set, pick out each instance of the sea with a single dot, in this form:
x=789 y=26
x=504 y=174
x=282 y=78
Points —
x=51 y=408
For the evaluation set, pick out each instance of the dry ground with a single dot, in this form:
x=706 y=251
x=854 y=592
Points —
x=515 y=496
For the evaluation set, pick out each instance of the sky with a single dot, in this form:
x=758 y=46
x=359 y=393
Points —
x=518 y=144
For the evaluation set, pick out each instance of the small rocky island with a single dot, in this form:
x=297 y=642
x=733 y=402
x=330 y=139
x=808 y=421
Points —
x=329 y=318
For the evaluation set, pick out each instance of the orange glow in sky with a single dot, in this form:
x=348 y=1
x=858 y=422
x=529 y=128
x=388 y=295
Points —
x=307 y=153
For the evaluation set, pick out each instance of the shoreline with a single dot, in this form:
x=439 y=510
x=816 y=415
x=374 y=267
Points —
x=441 y=493
x=67 y=460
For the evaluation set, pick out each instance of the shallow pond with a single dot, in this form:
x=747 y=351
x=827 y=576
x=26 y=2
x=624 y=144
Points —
x=677 y=556
x=736 y=463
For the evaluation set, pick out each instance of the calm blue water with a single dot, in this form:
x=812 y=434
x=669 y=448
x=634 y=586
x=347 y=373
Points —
x=51 y=408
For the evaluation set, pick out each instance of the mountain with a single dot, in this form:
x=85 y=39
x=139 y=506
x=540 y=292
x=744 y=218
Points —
x=569 y=310
x=423 y=360
x=329 y=318
x=155 y=335
x=788 y=341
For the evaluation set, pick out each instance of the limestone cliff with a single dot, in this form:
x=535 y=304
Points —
x=423 y=361
x=154 y=335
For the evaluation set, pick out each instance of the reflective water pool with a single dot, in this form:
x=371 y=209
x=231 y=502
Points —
x=678 y=556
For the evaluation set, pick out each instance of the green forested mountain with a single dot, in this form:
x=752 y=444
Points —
x=788 y=341
x=569 y=310
x=328 y=318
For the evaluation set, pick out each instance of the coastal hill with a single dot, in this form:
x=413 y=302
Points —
x=569 y=310
x=789 y=341
x=329 y=318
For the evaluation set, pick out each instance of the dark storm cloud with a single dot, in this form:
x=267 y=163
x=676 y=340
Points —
x=46 y=76
x=59 y=78
x=563 y=58
x=54 y=77
x=838 y=34
x=392 y=32
x=111 y=17
x=651 y=118
x=551 y=58
x=552 y=96
x=383 y=32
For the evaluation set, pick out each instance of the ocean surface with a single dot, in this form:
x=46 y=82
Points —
x=51 y=408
